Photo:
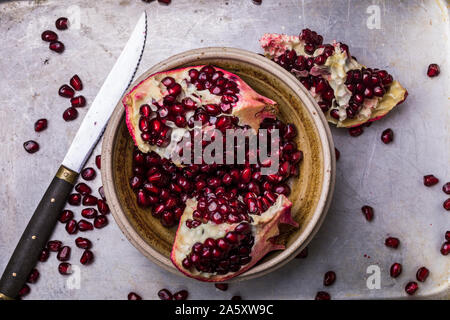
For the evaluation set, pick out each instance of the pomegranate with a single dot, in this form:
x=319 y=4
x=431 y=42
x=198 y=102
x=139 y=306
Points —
x=87 y=257
x=166 y=2
x=303 y=254
x=396 y=270
x=57 y=46
x=430 y=180
x=62 y=23
x=44 y=255
x=322 y=295
x=90 y=200
x=72 y=226
x=76 y=83
x=74 y=199
x=368 y=212
x=347 y=92
x=84 y=225
x=447 y=235
x=49 y=36
x=411 y=287
x=83 y=243
x=33 y=276
x=54 y=245
x=422 y=274
x=181 y=295
x=100 y=221
x=65 y=216
x=329 y=278
x=392 y=242
x=24 y=291
x=40 y=125
x=387 y=136
x=221 y=286
x=78 y=102
x=65 y=268
x=102 y=206
x=446 y=204
x=70 y=114
x=31 y=146
x=433 y=70
x=98 y=161
x=134 y=296
x=88 y=174
x=64 y=253
x=83 y=189
x=66 y=91
x=446 y=188
x=445 y=248
x=89 y=213
x=165 y=294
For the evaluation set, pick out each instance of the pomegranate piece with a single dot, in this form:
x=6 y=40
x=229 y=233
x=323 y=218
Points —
x=165 y=294
x=367 y=212
x=74 y=199
x=70 y=114
x=90 y=200
x=430 y=180
x=87 y=257
x=445 y=248
x=66 y=92
x=446 y=188
x=62 y=23
x=76 y=83
x=98 y=161
x=71 y=226
x=84 y=225
x=65 y=216
x=88 y=174
x=303 y=254
x=65 y=268
x=329 y=278
x=100 y=221
x=78 y=102
x=54 y=245
x=57 y=46
x=433 y=70
x=40 y=125
x=396 y=270
x=446 y=204
x=24 y=291
x=64 y=253
x=392 y=242
x=49 y=36
x=83 y=189
x=31 y=146
x=422 y=274
x=221 y=286
x=411 y=287
x=387 y=136
x=83 y=243
x=33 y=276
x=134 y=296
x=89 y=213
x=181 y=295
x=322 y=295
x=102 y=206
x=43 y=256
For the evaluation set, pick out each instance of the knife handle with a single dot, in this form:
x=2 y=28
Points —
x=36 y=234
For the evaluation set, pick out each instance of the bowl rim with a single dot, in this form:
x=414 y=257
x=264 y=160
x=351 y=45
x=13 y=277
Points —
x=319 y=121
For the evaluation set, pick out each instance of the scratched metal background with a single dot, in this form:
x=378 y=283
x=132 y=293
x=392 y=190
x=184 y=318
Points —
x=412 y=34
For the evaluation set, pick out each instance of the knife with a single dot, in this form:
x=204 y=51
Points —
x=43 y=221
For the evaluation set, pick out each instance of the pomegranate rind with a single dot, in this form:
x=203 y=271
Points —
x=251 y=108
x=275 y=45
x=265 y=228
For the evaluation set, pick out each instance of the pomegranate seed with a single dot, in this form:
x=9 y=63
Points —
x=181 y=295
x=83 y=243
x=54 y=245
x=66 y=92
x=356 y=131
x=64 y=254
x=71 y=227
x=303 y=254
x=368 y=212
x=447 y=235
x=422 y=274
x=98 y=161
x=322 y=295
x=430 y=180
x=57 y=46
x=76 y=83
x=49 y=36
x=40 y=125
x=395 y=270
x=100 y=221
x=62 y=23
x=237 y=298
x=65 y=216
x=88 y=174
x=329 y=278
x=102 y=193
x=84 y=225
x=31 y=146
x=164 y=294
x=446 y=188
x=134 y=296
x=89 y=200
x=24 y=291
x=257 y=2
x=392 y=242
x=221 y=286
x=338 y=154
x=83 y=188
x=86 y=257
x=74 y=199
x=89 y=213
x=70 y=114
x=433 y=70
x=65 y=268
x=387 y=136
x=102 y=207
x=78 y=102
x=411 y=287
x=445 y=249
x=446 y=204
x=33 y=276
x=45 y=253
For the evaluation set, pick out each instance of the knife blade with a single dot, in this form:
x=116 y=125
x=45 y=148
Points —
x=43 y=221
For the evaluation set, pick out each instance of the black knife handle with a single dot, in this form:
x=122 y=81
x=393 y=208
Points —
x=36 y=234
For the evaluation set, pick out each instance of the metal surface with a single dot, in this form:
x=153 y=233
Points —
x=412 y=35
x=100 y=110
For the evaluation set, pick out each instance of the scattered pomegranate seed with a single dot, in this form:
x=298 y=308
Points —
x=40 y=125
x=166 y=2
x=86 y=257
x=338 y=154
x=236 y=298
x=54 y=245
x=62 y=23
x=387 y=136
x=31 y=146
x=411 y=287
x=368 y=212
x=322 y=295
x=422 y=274
x=433 y=70
x=90 y=200
x=181 y=295
x=49 y=36
x=76 y=83
x=78 y=102
x=24 y=291
x=57 y=46
x=445 y=249
x=83 y=189
x=88 y=174
x=221 y=286
x=102 y=206
x=45 y=253
x=356 y=131
x=430 y=180
x=71 y=227
x=100 y=221
x=33 y=276
x=102 y=193
x=329 y=278
x=447 y=235
x=74 y=199
x=64 y=253
x=83 y=243
x=392 y=242
x=65 y=268
x=66 y=92
x=303 y=254
x=65 y=216
x=89 y=213
x=84 y=225
x=134 y=296
x=446 y=204
x=446 y=188
x=395 y=270
x=164 y=294
x=98 y=161
x=70 y=114
x=257 y=2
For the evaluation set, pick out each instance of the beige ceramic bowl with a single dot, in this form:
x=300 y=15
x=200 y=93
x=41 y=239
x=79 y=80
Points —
x=311 y=192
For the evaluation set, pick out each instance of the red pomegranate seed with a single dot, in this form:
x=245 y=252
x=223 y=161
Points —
x=66 y=92
x=236 y=298
x=74 y=199
x=329 y=278
x=446 y=204
x=54 y=245
x=31 y=146
x=100 y=221
x=387 y=136
x=433 y=70
x=70 y=114
x=78 y=102
x=57 y=46
x=65 y=268
x=411 y=287
x=33 y=276
x=368 y=212
x=76 y=83
x=40 y=125
x=45 y=253
x=83 y=243
x=392 y=242
x=62 y=23
x=84 y=225
x=83 y=188
x=257 y=2
x=101 y=193
x=221 y=286
x=134 y=296
x=98 y=161
x=303 y=254
x=181 y=295
x=88 y=174
x=86 y=257
x=430 y=180
x=422 y=274
x=89 y=213
x=89 y=200
x=64 y=253
x=395 y=270
x=102 y=206
x=447 y=235
x=322 y=295
x=446 y=188
x=445 y=249
x=49 y=36
x=65 y=216
x=356 y=131
x=71 y=227
x=24 y=291
x=165 y=294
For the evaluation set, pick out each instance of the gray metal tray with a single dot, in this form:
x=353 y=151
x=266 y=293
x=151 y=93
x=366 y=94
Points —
x=411 y=35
